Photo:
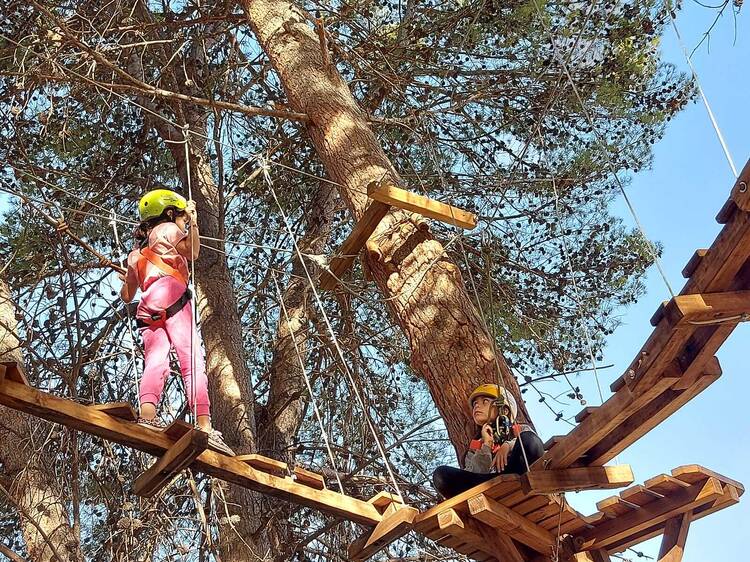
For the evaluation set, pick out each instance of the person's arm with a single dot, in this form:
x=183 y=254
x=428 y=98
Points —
x=129 y=287
x=190 y=246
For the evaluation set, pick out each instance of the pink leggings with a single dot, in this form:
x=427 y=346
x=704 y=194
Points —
x=157 y=342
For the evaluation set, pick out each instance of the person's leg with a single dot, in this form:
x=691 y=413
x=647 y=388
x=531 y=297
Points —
x=155 y=369
x=189 y=348
x=532 y=446
x=450 y=481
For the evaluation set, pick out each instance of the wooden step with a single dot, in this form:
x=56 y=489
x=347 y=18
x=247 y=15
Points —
x=693 y=263
x=397 y=197
x=12 y=371
x=309 y=478
x=586 y=412
x=120 y=410
x=264 y=464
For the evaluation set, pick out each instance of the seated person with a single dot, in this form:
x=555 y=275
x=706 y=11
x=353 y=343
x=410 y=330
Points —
x=487 y=458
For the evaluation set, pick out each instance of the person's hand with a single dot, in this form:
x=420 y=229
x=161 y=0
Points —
x=487 y=438
x=192 y=213
x=501 y=457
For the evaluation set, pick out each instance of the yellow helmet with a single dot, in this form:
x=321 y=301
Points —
x=154 y=203
x=493 y=391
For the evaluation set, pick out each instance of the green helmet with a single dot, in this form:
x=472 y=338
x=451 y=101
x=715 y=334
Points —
x=155 y=202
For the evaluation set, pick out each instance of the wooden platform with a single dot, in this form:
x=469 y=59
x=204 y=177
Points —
x=17 y=394
x=677 y=361
x=383 y=197
x=497 y=520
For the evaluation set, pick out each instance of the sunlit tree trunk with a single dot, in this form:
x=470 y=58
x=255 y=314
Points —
x=450 y=346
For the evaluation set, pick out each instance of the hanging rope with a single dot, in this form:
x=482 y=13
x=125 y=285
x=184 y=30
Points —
x=712 y=118
x=119 y=247
x=331 y=331
x=193 y=390
x=605 y=151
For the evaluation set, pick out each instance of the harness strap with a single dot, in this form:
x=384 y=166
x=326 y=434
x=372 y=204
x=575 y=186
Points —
x=170 y=311
x=154 y=259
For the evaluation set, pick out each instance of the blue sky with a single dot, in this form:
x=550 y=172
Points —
x=677 y=201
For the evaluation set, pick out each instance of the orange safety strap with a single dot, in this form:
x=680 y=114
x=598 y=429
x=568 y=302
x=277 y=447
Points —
x=155 y=260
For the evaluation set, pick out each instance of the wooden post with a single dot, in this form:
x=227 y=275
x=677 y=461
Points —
x=675 y=537
x=178 y=457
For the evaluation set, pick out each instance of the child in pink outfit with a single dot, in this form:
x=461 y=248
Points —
x=159 y=268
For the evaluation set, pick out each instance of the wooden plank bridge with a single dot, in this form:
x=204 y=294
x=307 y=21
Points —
x=510 y=518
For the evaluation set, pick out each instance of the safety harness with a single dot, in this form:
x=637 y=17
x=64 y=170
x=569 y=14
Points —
x=149 y=256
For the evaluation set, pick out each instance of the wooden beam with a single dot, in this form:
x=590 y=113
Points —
x=397 y=522
x=595 y=427
x=121 y=410
x=89 y=420
x=178 y=457
x=675 y=537
x=508 y=521
x=573 y=479
x=684 y=500
x=353 y=244
x=265 y=464
x=397 y=197
x=693 y=263
x=643 y=420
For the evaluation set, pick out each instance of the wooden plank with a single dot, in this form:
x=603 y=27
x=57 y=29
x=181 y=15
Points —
x=178 y=457
x=84 y=418
x=265 y=464
x=572 y=479
x=309 y=478
x=353 y=244
x=467 y=538
x=693 y=473
x=614 y=530
x=728 y=499
x=675 y=537
x=498 y=487
x=506 y=520
x=643 y=420
x=552 y=441
x=614 y=507
x=120 y=410
x=397 y=521
x=392 y=195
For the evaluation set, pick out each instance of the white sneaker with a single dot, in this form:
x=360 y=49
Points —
x=216 y=441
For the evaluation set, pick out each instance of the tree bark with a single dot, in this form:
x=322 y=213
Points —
x=44 y=520
x=450 y=346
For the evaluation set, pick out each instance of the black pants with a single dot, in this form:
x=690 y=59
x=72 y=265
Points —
x=451 y=481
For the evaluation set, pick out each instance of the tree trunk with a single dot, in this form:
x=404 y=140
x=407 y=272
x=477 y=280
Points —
x=41 y=507
x=450 y=346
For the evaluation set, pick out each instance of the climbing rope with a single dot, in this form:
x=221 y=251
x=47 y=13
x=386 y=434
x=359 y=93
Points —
x=331 y=331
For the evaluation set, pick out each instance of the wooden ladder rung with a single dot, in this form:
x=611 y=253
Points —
x=178 y=457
